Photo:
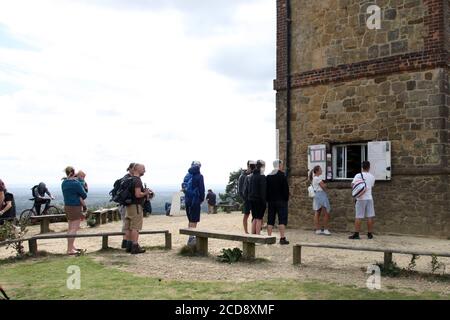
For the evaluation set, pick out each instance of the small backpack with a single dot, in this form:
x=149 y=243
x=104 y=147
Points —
x=359 y=188
x=34 y=191
x=124 y=195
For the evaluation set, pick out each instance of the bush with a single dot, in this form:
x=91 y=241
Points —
x=90 y=221
x=11 y=231
x=230 y=255
x=188 y=251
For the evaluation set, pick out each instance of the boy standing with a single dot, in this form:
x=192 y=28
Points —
x=364 y=204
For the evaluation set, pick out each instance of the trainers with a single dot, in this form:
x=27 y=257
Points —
x=284 y=241
x=369 y=235
x=326 y=232
x=136 y=249
x=191 y=241
x=318 y=231
x=355 y=236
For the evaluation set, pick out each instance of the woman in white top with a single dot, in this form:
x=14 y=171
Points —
x=321 y=204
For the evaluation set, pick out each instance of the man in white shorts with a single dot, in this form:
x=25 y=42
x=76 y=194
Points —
x=364 y=204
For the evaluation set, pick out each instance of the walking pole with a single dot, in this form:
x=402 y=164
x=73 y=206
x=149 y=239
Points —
x=4 y=293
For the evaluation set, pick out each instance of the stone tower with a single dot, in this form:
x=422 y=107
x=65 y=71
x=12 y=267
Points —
x=348 y=92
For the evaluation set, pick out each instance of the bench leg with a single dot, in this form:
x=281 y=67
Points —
x=45 y=225
x=110 y=216
x=202 y=246
x=168 y=241
x=249 y=250
x=116 y=215
x=297 y=255
x=32 y=247
x=97 y=219
x=387 y=259
x=104 y=218
x=104 y=242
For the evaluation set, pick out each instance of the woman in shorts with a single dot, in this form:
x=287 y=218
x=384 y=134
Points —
x=321 y=204
x=73 y=193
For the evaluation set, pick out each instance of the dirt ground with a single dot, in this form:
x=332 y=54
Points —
x=346 y=267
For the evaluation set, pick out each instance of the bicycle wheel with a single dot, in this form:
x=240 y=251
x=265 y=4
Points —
x=26 y=215
x=52 y=210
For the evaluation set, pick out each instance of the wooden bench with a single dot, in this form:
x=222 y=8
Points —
x=32 y=241
x=297 y=254
x=248 y=240
x=103 y=216
x=45 y=220
x=228 y=207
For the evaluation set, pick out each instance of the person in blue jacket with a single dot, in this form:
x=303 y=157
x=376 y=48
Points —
x=194 y=190
x=73 y=193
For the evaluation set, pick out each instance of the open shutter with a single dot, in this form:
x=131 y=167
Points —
x=317 y=155
x=379 y=156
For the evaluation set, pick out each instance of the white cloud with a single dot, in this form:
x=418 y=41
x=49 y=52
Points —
x=104 y=86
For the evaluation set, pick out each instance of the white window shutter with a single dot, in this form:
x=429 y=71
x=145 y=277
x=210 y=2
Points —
x=317 y=155
x=379 y=156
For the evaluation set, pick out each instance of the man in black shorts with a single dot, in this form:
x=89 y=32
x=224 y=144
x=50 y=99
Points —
x=256 y=193
x=277 y=198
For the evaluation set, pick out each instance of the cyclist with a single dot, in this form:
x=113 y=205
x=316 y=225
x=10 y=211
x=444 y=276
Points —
x=39 y=191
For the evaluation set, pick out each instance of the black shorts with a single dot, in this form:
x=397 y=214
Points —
x=193 y=212
x=258 y=209
x=280 y=208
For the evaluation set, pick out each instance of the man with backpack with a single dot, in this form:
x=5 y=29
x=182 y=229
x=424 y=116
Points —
x=364 y=201
x=134 y=212
x=193 y=187
x=122 y=207
x=243 y=179
x=39 y=191
x=256 y=193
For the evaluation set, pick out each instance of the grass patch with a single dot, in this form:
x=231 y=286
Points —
x=46 y=279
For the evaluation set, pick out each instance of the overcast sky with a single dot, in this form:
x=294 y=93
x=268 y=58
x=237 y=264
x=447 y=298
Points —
x=97 y=84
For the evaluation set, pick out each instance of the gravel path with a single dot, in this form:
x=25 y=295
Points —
x=274 y=261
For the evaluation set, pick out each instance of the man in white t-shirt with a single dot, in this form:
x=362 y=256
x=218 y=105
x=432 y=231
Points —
x=364 y=203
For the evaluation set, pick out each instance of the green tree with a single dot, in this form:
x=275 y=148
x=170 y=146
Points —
x=231 y=191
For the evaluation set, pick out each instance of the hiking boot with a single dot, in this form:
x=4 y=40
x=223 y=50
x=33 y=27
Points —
x=136 y=249
x=355 y=236
x=369 y=235
x=284 y=241
x=129 y=246
x=124 y=244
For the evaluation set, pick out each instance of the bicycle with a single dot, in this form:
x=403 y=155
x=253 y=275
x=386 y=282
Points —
x=28 y=213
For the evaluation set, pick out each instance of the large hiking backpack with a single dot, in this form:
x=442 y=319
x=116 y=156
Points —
x=124 y=193
x=115 y=188
x=190 y=193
